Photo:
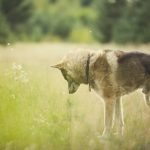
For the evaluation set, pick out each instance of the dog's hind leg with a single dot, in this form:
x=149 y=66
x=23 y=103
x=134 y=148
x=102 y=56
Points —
x=119 y=116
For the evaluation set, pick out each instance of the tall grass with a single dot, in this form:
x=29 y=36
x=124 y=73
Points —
x=36 y=112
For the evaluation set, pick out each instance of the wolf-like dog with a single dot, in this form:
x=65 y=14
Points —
x=111 y=74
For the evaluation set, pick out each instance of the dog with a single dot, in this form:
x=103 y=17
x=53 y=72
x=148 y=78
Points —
x=111 y=74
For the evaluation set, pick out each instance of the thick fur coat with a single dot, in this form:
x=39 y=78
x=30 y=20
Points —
x=111 y=74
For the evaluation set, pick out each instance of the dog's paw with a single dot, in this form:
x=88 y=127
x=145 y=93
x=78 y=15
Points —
x=103 y=137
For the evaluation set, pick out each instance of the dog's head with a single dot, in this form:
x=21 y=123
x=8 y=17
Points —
x=73 y=85
x=73 y=69
x=69 y=75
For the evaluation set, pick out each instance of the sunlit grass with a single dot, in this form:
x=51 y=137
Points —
x=36 y=112
x=32 y=113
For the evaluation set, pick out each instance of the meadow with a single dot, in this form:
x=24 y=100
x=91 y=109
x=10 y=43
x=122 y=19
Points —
x=37 y=113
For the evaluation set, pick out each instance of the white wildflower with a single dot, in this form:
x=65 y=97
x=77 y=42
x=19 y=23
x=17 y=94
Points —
x=16 y=67
x=19 y=67
x=19 y=73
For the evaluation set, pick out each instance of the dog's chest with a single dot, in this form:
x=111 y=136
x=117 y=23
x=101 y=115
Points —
x=98 y=87
x=105 y=74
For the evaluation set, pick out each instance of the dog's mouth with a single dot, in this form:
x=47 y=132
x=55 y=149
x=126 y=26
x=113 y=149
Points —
x=72 y=87
x=71 y=91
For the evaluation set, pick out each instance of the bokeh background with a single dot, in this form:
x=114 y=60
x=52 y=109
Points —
x=36 y=111
x=120 y=21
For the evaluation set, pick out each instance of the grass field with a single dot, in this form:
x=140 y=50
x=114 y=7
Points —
x=37 y=113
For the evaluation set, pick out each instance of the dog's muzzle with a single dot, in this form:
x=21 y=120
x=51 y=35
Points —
x=72 y=87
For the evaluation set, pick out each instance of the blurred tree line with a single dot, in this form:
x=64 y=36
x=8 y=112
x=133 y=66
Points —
x=13 y=14
x=120 y=21
x=123 y=21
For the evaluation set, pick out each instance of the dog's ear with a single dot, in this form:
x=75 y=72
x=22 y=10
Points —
x=59 y=65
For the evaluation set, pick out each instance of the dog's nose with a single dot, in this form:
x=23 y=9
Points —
x=71 y=91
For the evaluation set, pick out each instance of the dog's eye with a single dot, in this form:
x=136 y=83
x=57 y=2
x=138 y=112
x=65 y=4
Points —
x=69 y=78
x=64 y=73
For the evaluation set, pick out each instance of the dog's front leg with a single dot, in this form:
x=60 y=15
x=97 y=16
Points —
x=108 y=118
x=119 y=116
x=147 y=98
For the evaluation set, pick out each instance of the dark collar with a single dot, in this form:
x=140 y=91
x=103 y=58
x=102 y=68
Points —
x=87 y=71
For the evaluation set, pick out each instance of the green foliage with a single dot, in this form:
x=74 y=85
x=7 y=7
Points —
x=4 y=31
x=85 y=16
x=53 y=1
x=62 y=26
x=45 y=24
x=85 y=35
x=123 y=32
x=86 y=2
x=48 y=21
x=121 y=21
x=38 y=26
x=109 y=12
x=16 y=12
x=134 y=25
x=13 y=16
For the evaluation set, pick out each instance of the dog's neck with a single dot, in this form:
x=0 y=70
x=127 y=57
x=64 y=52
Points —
x=89 y=72
x=81 y=65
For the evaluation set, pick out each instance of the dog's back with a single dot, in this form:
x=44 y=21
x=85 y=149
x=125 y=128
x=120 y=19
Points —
x=144 y=59
x=133 y=71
